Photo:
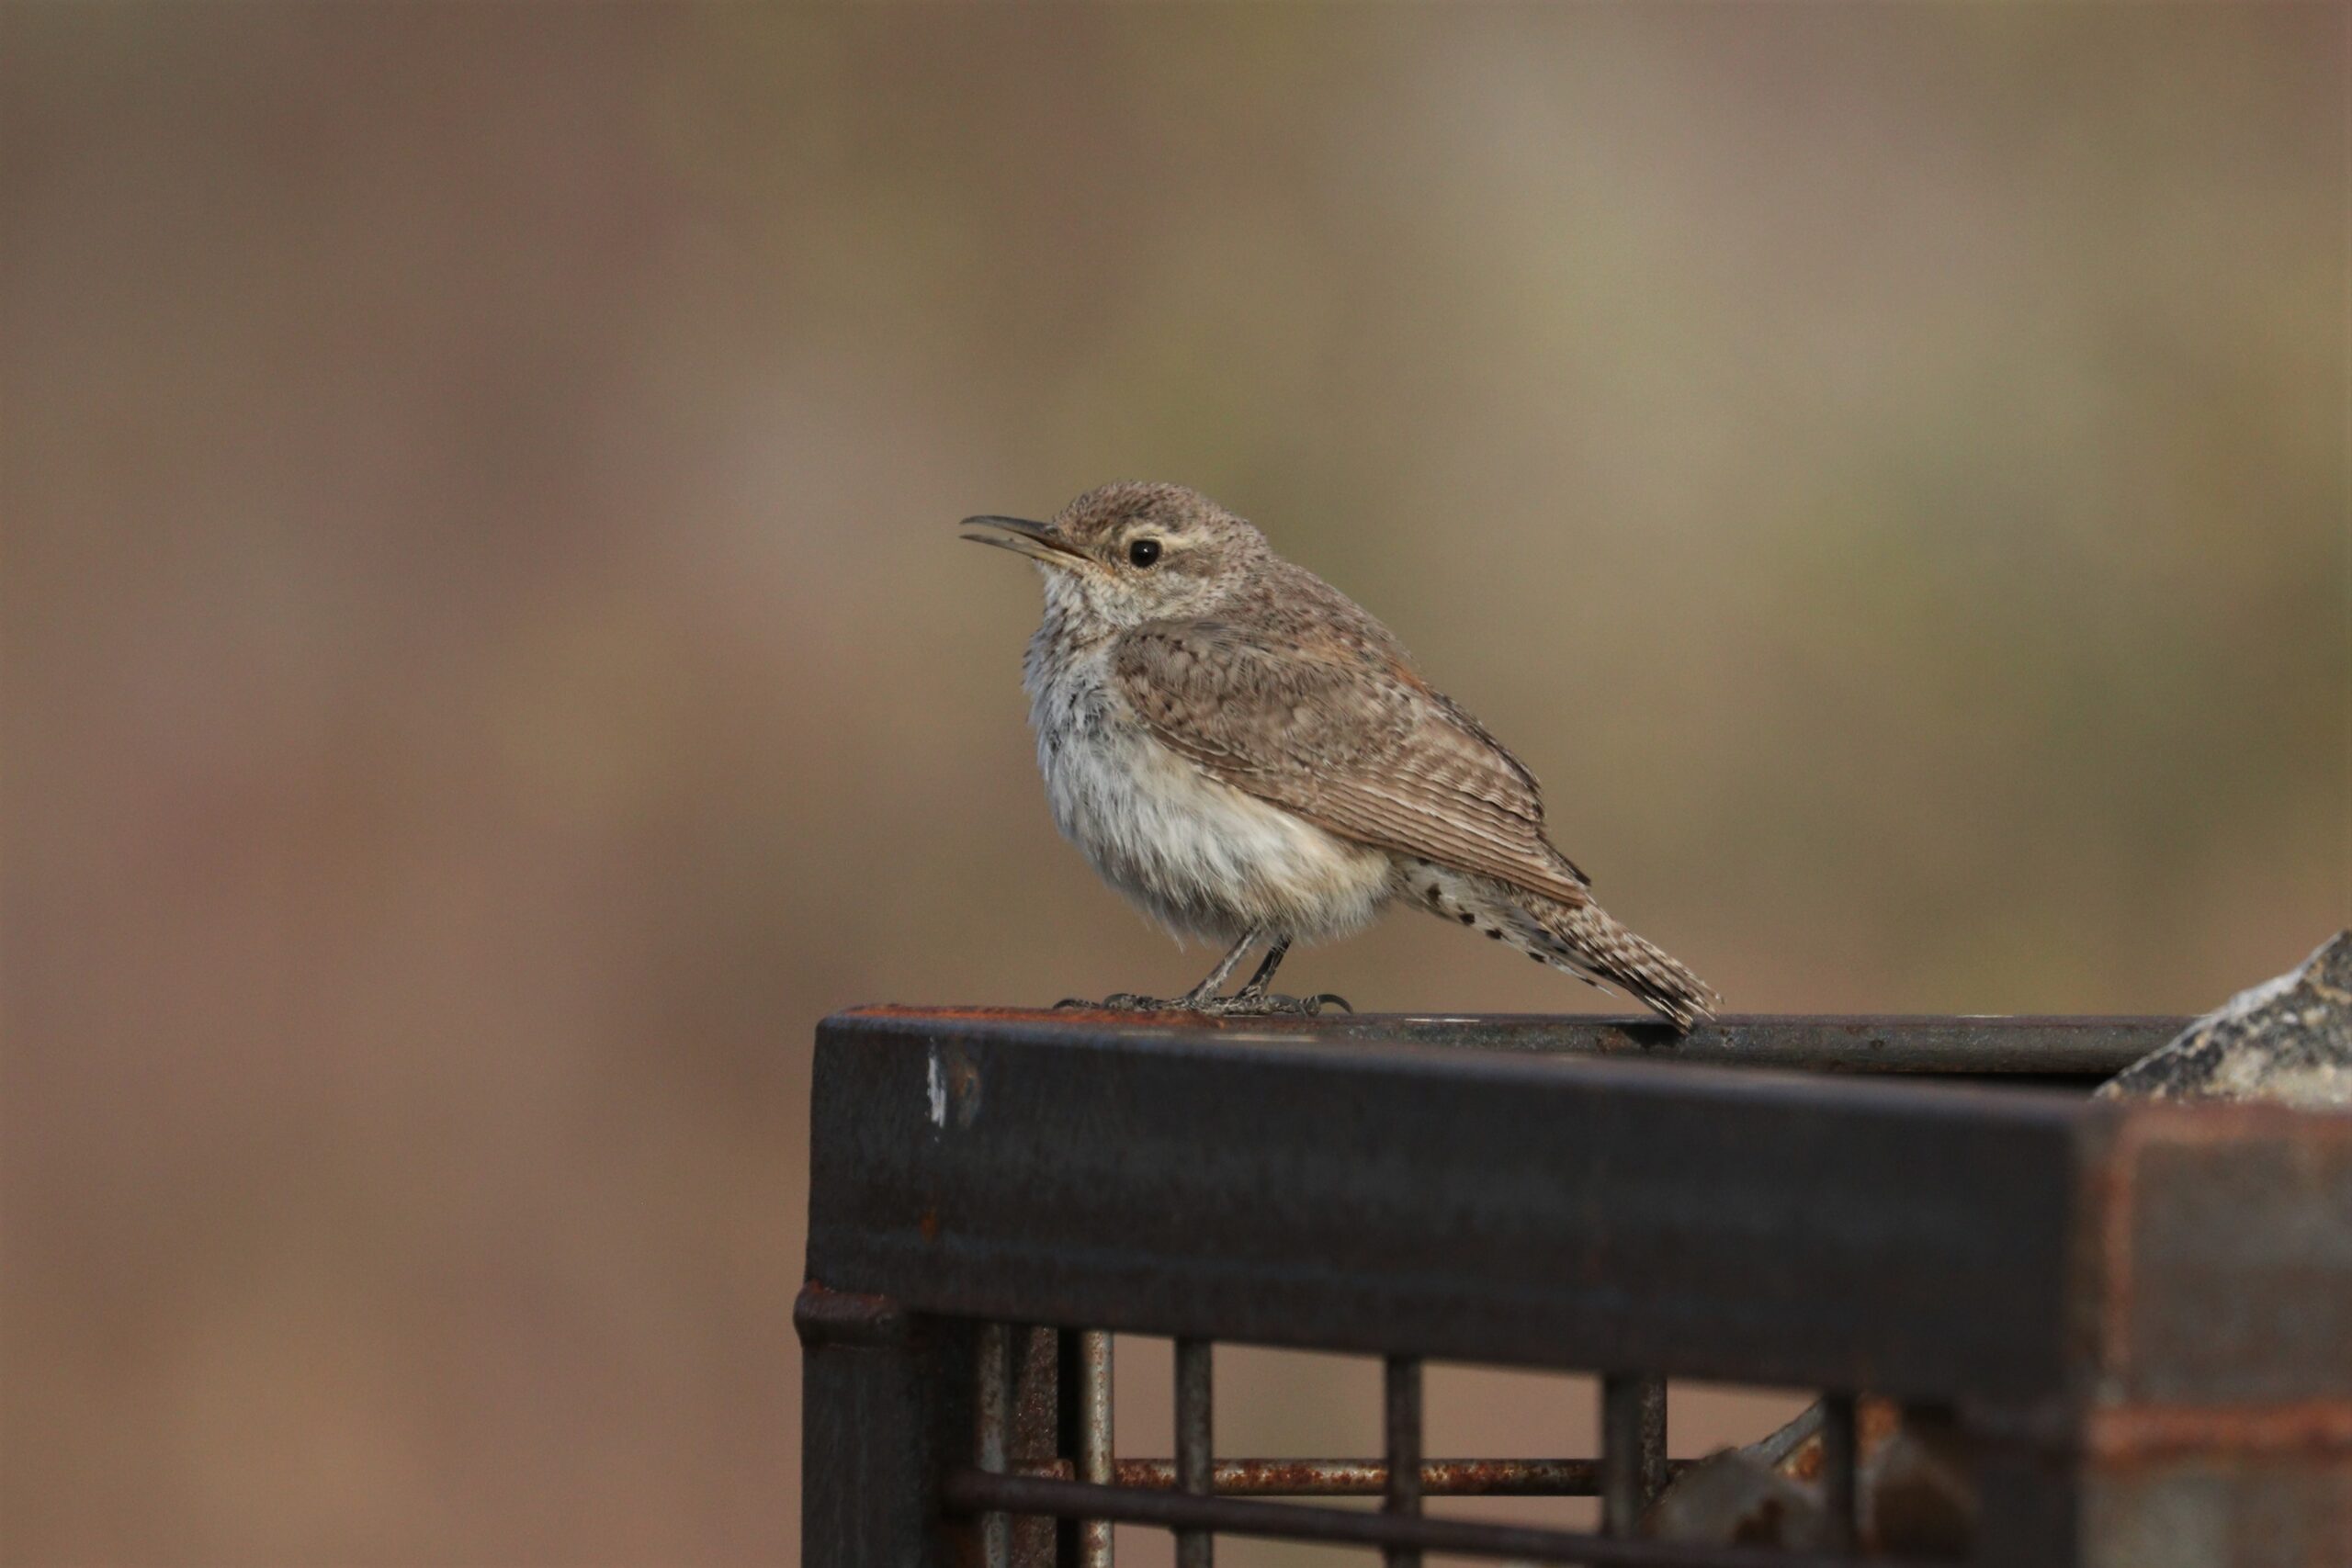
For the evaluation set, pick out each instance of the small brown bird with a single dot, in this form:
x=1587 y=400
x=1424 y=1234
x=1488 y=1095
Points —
x=1250 y=758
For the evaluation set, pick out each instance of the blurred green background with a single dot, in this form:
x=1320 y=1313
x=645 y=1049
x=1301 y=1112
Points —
x=488 y=662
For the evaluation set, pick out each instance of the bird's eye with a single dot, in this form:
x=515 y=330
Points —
x=1143 y=552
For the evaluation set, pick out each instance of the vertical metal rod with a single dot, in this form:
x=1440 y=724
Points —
x=993 y=1403
x=1840 y=1460
x=1195 y=1430
x=1652 y=1465
x=1404 y=1401
x=1095 y=1462
x=1034 y=1438
x=1633 y=1449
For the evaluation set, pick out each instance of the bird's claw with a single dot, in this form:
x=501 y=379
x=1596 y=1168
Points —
x=1269 y=1004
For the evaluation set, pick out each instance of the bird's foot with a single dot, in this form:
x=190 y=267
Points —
x=1270 y=1004
x=1124 y=1001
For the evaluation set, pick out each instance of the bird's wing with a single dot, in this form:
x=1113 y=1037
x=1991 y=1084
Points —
x=1347 y=736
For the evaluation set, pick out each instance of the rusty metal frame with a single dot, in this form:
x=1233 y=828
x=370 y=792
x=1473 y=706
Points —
x=1565 y=1192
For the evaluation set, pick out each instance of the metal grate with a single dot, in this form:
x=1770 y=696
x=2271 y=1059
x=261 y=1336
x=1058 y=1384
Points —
x=1196 y=1497
x=997 y=1195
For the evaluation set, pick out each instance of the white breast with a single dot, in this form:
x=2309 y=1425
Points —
x=1201 y=857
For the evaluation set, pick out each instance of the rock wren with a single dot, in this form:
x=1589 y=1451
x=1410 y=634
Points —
x=1250 y=758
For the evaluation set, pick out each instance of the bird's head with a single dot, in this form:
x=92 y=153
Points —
x=1129 y=553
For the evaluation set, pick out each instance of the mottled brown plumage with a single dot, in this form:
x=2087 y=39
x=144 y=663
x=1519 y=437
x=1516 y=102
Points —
x=1244 y=750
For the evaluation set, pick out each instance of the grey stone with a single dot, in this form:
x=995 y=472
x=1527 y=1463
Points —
x=2288 y=1039
x=1736 y=1497
x=1914 y=1487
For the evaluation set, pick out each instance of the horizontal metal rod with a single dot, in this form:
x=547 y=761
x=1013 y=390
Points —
x=973 y=1491
x=1369 y=1477
x=2081 y=1047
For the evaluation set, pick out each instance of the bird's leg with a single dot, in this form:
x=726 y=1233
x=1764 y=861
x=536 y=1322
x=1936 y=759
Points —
x=1256 y=984
x=1207 y=990
x=1254 y=1000
x=1201 y=997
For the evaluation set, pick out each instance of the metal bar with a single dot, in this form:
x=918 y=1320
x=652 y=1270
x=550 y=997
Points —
x=1633 y=1449
x=1069 y=1421
x=1034 y=1437
x=1402 y=1381
x=1369 y=1477
x=1195 y=1443
x=1094 y=1452
x=992 y=1422
x=2087 y=1047
x=886 y=1409
x=1841 y=1458
x=822 y=1317
x=971 y=1491
x=1812 y=1232
x=2223 y=1240
x=1654 y=1460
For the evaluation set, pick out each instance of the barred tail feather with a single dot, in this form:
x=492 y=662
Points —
x=1580 y=939
x=1596 y=945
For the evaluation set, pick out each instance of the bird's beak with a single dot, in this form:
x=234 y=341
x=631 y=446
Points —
x=1024 y=538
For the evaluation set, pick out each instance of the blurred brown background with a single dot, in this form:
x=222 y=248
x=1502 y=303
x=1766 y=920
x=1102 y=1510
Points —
x=488 y=662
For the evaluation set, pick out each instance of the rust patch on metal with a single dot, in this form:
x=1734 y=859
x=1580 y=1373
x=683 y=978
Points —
x=1035 y=1394
x=2112 y=1187
x=2134 y=1434
x=1000 y=1014
x=1369 y=1477
x=1876 y=1423
x=1035 y=1418
x=825 y=1317
x=1100 y=1020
